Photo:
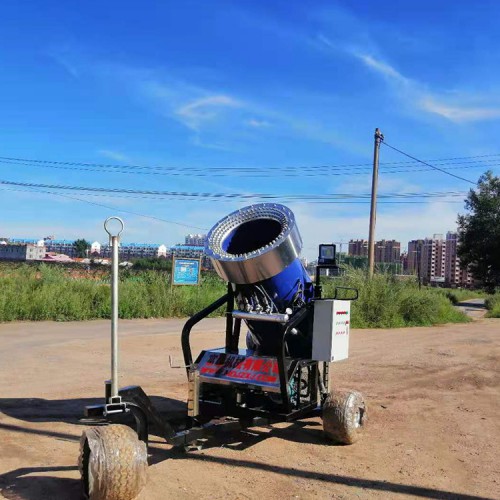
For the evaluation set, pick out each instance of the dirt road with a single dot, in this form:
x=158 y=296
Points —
x=433 y=432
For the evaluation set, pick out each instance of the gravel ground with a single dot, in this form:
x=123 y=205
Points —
x=433 y=430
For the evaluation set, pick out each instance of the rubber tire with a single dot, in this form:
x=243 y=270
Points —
x=344 y=416
x=120 y=459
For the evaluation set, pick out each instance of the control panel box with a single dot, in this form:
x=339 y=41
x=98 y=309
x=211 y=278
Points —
x=331 y=330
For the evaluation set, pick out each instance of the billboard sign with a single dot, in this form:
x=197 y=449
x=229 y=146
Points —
x=186 y=271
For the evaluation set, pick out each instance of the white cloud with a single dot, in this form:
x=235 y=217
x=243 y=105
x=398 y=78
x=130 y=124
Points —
x=383 y=68
x=458 y=114
x=113 y=155
x=454 y=108
x=257 y=123
x=200 y=110
x=320 y=224
x=63 y=57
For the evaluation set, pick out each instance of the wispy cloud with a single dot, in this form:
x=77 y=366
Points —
x=63 y=57
x=198 y=111
x=455 y=108
x=253 y=122
x=382 y=68
x=404 y=224
x=114 y=155
x=458 y=113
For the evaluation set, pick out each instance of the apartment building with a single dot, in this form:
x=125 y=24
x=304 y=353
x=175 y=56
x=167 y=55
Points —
x=197 y=240
x=454 y=275
x=21 y=251
x=66 y=247
x=387 y=251
x=358 y=248
x=135 y=250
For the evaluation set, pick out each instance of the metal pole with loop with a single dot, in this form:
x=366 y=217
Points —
x=114 y=241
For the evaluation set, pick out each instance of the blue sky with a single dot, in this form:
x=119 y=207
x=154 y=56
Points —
x=243 y=84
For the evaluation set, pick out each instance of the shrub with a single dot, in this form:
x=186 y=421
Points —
x=46 y=292
x=386 y=301
x=493 y=305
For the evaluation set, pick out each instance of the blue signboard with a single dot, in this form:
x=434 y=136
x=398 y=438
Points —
x=186 y=272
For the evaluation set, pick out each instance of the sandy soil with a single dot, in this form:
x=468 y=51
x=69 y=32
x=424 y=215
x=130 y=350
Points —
x=433 y=431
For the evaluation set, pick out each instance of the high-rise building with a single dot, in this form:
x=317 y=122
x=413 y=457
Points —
x=358 y=248
x=433 y=259
x=197 y=240
x=387 y=251
x=454 y=275
x=415 y=248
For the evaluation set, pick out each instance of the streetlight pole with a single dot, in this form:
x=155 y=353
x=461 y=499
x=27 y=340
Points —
x=373 y=207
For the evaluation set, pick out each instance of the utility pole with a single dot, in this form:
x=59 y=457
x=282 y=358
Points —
x=373 y=207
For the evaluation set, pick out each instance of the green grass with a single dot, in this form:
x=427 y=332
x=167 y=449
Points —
x=388 y=302
x=456 y=295
x=493 y=306
x=48 y=292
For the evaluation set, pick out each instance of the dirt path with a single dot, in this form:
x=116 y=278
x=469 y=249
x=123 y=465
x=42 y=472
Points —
x=433 y=395
x=474 y=308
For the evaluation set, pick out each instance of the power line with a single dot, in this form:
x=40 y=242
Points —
x=428 y=164
x=31 y=190
x=232 y=196
x=236 y=170
x=309 y=202
x=305 y=172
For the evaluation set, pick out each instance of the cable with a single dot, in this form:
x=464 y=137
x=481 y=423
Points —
x=244 y=196
x=306 y=172
x=309 y=202
x=252 y=170
x=110 y=207
x=428 y=164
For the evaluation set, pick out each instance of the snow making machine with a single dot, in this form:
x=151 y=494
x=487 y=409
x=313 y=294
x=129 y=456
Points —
x=292 y=334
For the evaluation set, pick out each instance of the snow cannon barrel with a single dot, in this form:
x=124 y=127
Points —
x=257 y=249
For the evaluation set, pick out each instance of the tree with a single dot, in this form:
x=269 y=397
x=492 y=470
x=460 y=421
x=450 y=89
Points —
x=81 y=246
x=479 y=232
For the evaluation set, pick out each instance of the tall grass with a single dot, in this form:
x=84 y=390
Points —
x=457 y=295
x=47 y=292
x=386 y=301
x=493 y=306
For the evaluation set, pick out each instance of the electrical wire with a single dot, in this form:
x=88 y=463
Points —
x=31 y=190
x=208 y=170
x=309 y=202
x=428 y=164
x=262 y=174
x=244 y=196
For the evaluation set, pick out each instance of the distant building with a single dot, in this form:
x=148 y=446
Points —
x=197 y=240
x=95 y=248
x=358 y=248
x=21 y=251
x=191 y=252
x=135 y=250
x=66 y=247
x=388 y=251
x=454 y=274
x=415 y=249
x=434 y=259
x=427 y=259
x=57 y=257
